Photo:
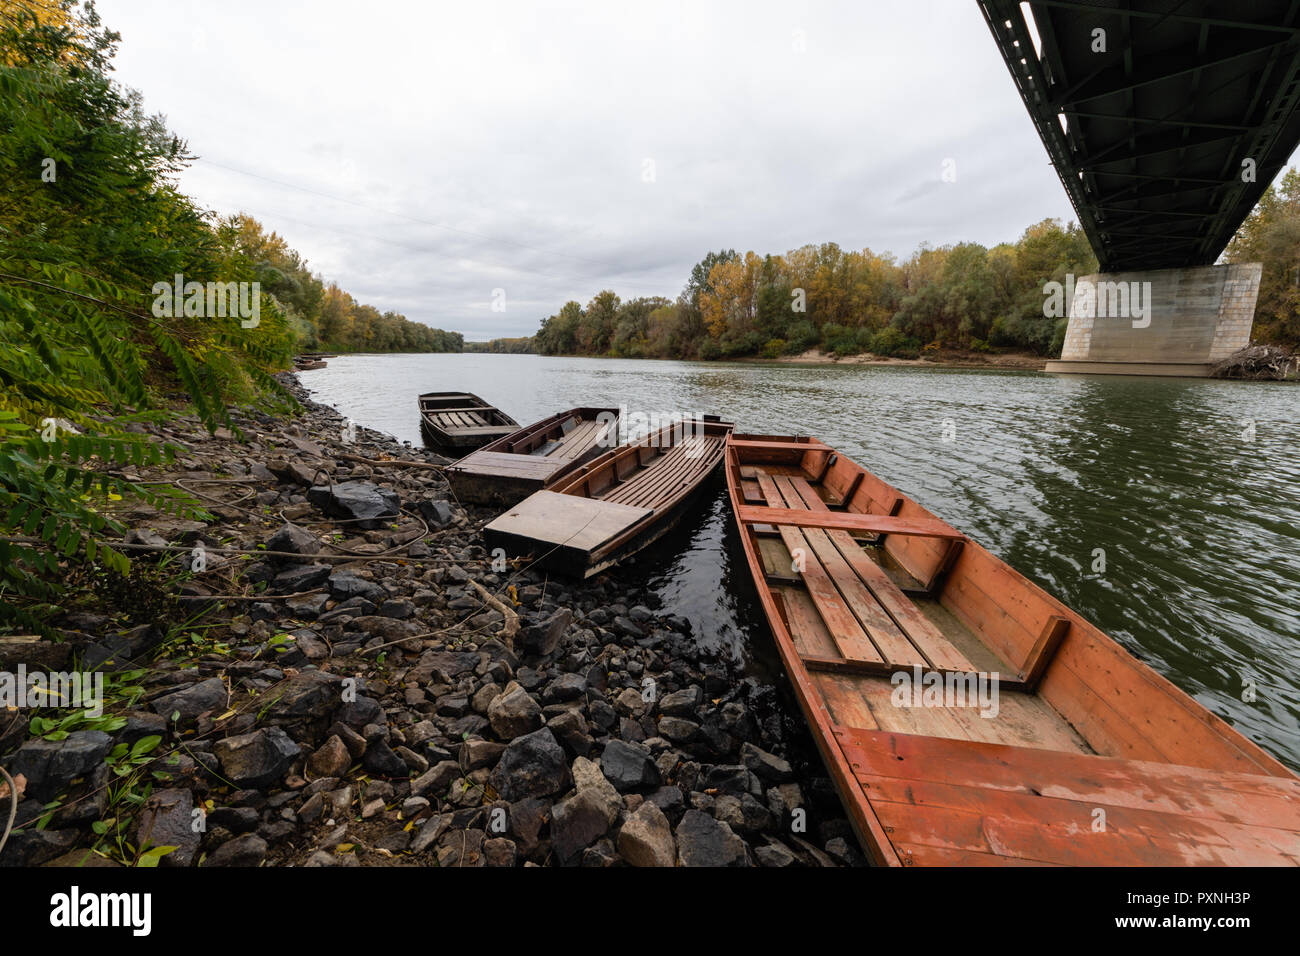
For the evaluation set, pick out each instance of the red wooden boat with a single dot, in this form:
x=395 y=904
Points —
x=1043 y=742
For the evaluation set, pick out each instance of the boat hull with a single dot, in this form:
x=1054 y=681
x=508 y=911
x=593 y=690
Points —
x=509 y=469
x=869 y=596
x=614 y=506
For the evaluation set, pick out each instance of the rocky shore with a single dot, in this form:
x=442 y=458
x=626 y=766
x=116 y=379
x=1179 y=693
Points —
x=330 y=670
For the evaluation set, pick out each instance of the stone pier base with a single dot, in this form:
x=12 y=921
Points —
x=1161 y=322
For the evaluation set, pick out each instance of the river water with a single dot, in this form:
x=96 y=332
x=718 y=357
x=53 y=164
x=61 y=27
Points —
x=1187 y=490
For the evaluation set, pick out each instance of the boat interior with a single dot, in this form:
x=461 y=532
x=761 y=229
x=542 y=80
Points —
x=862 y=584
x=654 y=470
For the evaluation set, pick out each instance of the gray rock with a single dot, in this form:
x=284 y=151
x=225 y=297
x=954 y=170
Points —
x=167 y=819
x=629 y=766
x=258 y=759
x=347 y=584
x=704 y=841
x=293 y=539
x=363 y=503
x=199 y=698
x=764 y=765
x=247 y=850
x=434 y=782
x=50 y=766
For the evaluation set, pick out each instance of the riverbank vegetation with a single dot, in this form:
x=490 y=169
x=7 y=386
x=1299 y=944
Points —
x=964 y=297
x=844 y=302
x=91 y=221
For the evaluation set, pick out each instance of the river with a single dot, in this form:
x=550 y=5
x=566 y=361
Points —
x=1187 y=490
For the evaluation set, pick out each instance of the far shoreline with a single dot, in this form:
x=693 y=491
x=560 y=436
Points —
x=1009 y=361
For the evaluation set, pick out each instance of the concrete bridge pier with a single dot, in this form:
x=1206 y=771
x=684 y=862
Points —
x=1158 y=322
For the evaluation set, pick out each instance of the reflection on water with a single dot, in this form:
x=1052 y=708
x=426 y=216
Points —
x=1197 y=526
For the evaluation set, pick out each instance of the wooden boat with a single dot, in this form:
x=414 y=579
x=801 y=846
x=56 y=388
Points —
x=511 y=468
x=1088 y=756
x=460 y=421
x=610 y=508
x=302 y=364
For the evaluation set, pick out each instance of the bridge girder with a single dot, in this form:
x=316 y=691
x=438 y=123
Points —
x=1150 y=128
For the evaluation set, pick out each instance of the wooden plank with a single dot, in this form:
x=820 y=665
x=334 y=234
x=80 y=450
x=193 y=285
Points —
x=501 y=463
x=848 y=521
x=1044 y=650
x=807 y=630
x=1034 y=829
x=926 y=638
x=845 y=630
x=919 y=630
x=889 y=640
x=569 y=520
x=743 y=443
x=1242 y=798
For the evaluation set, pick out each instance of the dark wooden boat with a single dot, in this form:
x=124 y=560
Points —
x=1088 y=756
x=511 y=468
x=460 y=421
x=302 y=364
x=610 y=508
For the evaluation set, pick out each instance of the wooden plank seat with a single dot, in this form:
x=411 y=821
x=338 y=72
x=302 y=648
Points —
x=848 y=521
x=953 y=797
x=870 y=619
x=677 y=466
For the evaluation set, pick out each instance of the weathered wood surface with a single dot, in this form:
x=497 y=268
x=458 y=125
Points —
x=569 y=520
x=1082 y=732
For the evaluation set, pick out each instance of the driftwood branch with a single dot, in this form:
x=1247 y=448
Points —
x=392 y=462
x=511 y=626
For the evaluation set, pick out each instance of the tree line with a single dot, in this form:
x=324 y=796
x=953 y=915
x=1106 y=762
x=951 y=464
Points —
x=957 y=297
x=964 y=296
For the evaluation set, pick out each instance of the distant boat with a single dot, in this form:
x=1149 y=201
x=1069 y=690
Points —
x=460 y=421
x=507 y=470
x=607 y=510
x=306 y=363
x=892 y=626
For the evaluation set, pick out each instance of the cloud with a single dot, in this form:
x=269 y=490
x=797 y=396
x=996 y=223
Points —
x=424 y=155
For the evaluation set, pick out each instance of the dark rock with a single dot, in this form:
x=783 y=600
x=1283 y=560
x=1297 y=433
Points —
x=363 y=503
x=256 y=759
x=167 y=819
x=234 y=819
x=50 y=766
x=381 y=760
x=703 y=841
x=629 y=766
x=199 y=698
x=531 y=766
x=32 y=847
x=578 y=822
x=294 y=540
x=247 y=850
x=542 y=638
x=346 y=585
x=300 y=577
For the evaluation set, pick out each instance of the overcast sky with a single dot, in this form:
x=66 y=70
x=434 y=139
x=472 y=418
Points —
x=425 y=154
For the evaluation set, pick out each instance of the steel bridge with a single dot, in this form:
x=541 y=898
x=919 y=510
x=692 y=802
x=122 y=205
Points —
x=1165 y=119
